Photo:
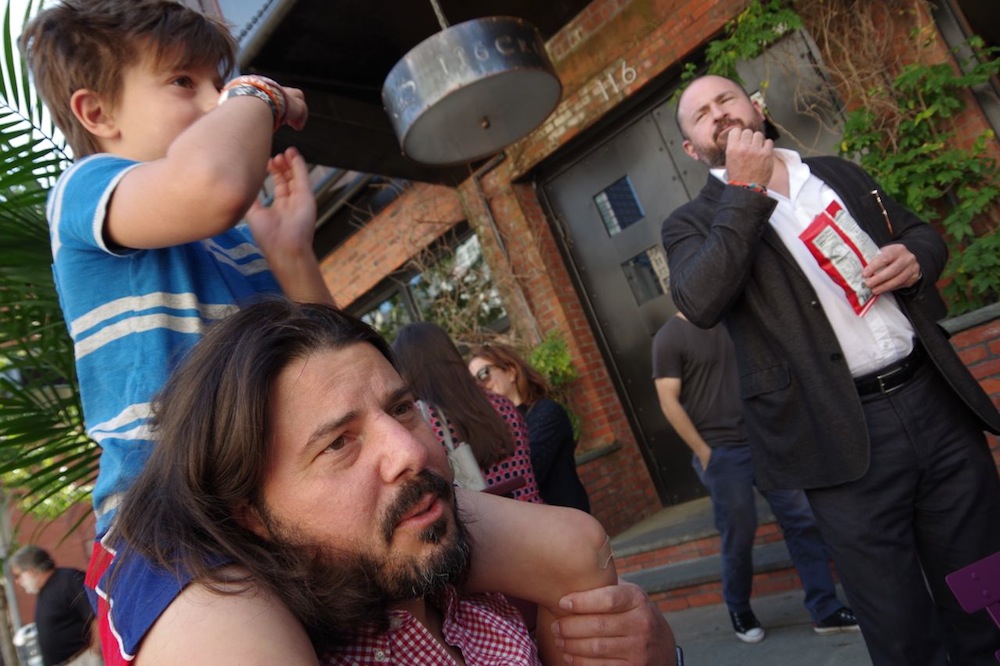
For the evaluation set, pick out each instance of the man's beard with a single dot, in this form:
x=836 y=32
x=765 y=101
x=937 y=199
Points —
x=714 y=154
x=406 y=578
x=335 y=590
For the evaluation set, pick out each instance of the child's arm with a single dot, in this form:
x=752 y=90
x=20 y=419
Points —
x=534 y=551
x=210 y=175
x=542 y=553
x=284 y=230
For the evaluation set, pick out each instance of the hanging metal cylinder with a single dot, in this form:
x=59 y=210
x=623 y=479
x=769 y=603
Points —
x=471 y=90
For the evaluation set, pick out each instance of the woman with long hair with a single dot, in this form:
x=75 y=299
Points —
x=430 y=363
x=499 y=369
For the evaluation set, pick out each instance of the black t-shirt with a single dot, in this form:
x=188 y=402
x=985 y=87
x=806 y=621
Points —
x=705 y=362
x=63 y=615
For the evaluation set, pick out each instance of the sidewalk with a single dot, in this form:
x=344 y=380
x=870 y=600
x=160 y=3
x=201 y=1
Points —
x=708 y=639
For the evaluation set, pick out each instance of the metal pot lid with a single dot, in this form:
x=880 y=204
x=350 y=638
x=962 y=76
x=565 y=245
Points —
x=471 y=90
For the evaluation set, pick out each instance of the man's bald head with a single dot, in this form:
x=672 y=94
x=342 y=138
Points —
x=707 y=109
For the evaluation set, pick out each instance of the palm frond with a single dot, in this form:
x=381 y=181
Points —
x=46 y=459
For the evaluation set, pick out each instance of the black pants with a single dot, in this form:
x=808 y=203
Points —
x=929 y=504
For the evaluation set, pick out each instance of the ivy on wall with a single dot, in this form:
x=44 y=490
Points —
x=747 y=36
x=929 y=172
x=551 y=357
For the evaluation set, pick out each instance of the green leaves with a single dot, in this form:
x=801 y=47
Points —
x=552 y=358
x=923 y=167
x=748 y=35
x=46 y=459
x=30 y=147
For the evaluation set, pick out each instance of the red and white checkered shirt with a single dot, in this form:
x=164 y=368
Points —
x=484 y=627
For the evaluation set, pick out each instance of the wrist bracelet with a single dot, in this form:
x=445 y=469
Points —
x=263 y=89
x=754 y=187
x=680 y=656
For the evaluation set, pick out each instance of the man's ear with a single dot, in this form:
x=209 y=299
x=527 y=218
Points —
x=690 y=149
x=758 y=103
x=93 y=113
x=248 y=517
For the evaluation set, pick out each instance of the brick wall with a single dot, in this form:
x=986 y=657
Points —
x=979 y=346
x=907 y=35
x=608 y=53
x=408 y=225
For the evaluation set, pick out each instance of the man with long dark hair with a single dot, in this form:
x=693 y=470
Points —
x=296 y=485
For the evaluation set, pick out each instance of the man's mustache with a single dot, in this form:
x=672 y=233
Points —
x=411 y=494
x=728 y=124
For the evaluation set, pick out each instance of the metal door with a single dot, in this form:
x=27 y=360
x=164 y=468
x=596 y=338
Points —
x=612 y=204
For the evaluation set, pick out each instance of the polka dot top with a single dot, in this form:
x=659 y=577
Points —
x=514 y=465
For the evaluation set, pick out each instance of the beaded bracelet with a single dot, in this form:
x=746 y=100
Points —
x=754 y=187
x=263 y=89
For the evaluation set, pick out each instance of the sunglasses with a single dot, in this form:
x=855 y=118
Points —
x=483 y=374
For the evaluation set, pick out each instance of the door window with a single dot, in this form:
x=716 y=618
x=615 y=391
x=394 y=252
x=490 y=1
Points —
x=647 y=274
x=618 y=206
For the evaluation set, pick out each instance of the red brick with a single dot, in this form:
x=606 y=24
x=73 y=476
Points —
x=704 y=599
x=973 y=354
x=672 y=605
x=984 y=369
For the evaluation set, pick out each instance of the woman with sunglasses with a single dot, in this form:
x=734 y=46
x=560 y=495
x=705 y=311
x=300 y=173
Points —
x=500 y=370
x=429 y=362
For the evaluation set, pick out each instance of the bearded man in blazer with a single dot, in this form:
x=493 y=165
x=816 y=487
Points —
x=852 y=390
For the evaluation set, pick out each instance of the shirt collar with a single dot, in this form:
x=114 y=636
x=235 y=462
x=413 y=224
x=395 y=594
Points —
x=798 y=171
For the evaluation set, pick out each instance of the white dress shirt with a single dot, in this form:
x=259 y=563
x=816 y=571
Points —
x=869 y=342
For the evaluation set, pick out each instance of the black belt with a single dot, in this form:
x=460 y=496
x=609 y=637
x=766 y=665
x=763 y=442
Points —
x=892 y=376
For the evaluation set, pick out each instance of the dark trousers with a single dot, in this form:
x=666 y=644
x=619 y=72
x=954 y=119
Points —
x=929 y=504
x=730 y=483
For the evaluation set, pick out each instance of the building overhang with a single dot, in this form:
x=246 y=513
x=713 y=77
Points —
x=339 y=54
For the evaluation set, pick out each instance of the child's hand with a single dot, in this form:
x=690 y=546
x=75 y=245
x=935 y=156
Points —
x=284 y=230
x=296 y=111
x=287 y=225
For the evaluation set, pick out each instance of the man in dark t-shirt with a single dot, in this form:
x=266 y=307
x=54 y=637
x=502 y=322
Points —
x=696 y=380
x=63 y=615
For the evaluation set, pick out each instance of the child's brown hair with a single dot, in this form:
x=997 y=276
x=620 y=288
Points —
x=87 y=44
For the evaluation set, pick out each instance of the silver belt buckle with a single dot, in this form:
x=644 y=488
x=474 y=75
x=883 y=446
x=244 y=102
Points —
x=881 y=383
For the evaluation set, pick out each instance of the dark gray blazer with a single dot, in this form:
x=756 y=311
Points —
x=804 y=416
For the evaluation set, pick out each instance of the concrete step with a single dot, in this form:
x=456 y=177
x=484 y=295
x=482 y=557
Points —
x=679 y=532
x=768 y=557
x=674 y=556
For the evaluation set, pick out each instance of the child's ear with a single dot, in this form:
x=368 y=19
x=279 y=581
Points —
x=93 y=113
